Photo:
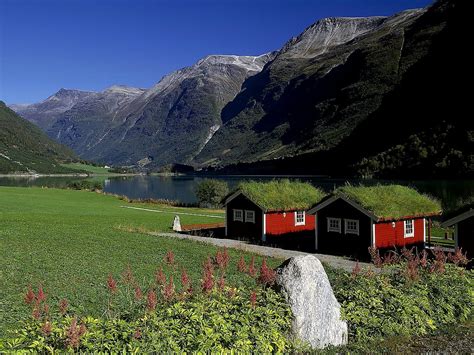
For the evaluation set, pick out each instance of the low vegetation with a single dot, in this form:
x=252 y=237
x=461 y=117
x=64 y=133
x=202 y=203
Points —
x=86 y=185
x=281 y=195
x=415 y=294
x=210 y=192
x=391 y=201
x=163 y=313
x=87 y=168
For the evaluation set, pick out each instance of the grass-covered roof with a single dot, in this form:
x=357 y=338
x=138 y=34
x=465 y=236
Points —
x=391 y=201
x=282 y=195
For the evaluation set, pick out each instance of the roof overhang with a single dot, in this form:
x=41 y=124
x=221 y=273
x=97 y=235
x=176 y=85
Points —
x=335 y=198
x=238 y=193
x=458 y=218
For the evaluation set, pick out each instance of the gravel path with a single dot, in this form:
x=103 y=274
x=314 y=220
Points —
x=334 y=261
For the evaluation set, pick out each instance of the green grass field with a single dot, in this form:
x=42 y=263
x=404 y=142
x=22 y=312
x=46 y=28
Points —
x=87 y=168
x=69 y=241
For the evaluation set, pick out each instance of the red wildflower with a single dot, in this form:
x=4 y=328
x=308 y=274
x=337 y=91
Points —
x=375 y=255
x=208 y=276
x=355 y=269
x=63 y=306
x=169 y=257
x=411 y=269
x=45 y=308
x=36 y=313
x=127 y=276
x=252 y=270
x=458 y=258
x=241 y=265
x=267 y=275
x=74 y=333
x=151 y=300
x=46 y=328
x=439 y=262
x=111 y=284
x=424 y=258
x=137 y=334
x=138 y=293
x=29 y=296
x=231 y=292
x=41 y=296
x=222 y=259
x=253 y=299
x=184 y=279
x=160 y=277
x=168 y=290
x=221 y=283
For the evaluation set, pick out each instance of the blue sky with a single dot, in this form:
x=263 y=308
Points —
x=92 y=44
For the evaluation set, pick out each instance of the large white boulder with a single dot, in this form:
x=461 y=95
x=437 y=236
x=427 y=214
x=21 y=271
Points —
x=316 y=311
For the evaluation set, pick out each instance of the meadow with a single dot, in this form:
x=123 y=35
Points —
x=69 y=241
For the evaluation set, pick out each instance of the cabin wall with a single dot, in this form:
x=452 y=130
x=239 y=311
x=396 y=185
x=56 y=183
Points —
x=244 y=230
x=279 y=223
x=465 y=236
x=388 y=236
x=342 y=243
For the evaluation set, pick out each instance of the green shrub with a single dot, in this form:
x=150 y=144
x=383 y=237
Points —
x=396 y=302
x=214 y=322
x=210 y=192
x=85 y=185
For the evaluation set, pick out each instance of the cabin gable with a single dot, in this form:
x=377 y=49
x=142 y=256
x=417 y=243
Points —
x=243 y=227
x=343 y=229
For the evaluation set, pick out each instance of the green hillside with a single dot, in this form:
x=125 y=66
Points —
x=25 y=149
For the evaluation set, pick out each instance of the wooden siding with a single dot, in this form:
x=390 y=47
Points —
x=387 y=236
x=279 y=223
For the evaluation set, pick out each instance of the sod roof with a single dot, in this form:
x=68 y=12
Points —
x=281 y=195
x=391 y=201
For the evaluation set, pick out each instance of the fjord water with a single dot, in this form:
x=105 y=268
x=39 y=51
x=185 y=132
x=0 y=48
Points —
x=181 y=188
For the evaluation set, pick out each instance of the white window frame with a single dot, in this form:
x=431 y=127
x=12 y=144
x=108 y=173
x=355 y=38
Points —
x=238 y=219
x=301 y=223
x=351 y=231
x=332 y=229
x=249 y=219
x=412 y=233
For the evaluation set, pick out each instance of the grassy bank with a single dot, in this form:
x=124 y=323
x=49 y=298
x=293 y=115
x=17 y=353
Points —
x=69 y=241
x=87 y=168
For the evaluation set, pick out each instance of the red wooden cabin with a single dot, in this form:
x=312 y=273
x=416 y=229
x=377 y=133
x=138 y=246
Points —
x=385 y=217
x=271 y=211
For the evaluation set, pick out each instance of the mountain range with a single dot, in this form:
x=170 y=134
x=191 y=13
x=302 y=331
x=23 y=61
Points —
x=372 y=96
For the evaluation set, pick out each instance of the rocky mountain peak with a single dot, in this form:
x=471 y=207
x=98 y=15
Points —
x=327 y=33
x=124 y=89
x=249 y=63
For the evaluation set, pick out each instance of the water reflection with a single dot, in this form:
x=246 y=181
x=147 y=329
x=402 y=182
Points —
x=182 y=188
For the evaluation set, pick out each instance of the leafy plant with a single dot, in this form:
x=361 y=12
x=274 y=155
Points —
x=210 y=192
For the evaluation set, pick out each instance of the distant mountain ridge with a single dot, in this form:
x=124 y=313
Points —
x=323 y=99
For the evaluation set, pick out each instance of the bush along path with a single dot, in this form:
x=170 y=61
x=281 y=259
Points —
x=418 y=295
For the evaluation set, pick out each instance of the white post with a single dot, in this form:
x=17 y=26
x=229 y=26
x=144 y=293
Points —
x=264 y=227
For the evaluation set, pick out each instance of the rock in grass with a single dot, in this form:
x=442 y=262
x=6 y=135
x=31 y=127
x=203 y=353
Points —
x=316 y=311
